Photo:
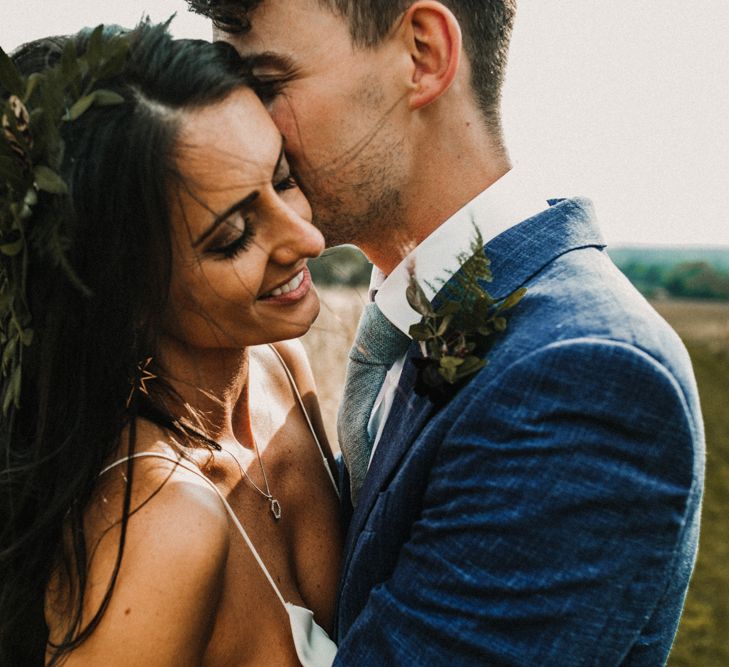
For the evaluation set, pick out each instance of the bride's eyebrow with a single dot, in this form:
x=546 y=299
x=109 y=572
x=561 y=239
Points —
x=237 y=206
x=219 y=219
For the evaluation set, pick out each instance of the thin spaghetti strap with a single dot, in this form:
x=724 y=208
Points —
x=308 y=420
x=182 y=463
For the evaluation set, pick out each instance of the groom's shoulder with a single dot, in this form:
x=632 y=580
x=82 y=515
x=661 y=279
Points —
x=582 y=310
x=583 y=295
x=584 y=354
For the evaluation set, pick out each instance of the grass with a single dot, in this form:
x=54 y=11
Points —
x=698 y=321
x=327 y=345
x=703 y=637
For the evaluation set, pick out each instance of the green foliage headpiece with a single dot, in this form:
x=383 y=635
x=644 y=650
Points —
x=34 y=201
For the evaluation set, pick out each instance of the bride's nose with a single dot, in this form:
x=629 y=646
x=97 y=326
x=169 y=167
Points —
x=294 y=237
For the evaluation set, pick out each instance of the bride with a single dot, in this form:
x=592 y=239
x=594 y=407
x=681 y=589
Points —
x=167 y=494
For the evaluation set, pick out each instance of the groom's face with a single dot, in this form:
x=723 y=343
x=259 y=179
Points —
x=340 y=109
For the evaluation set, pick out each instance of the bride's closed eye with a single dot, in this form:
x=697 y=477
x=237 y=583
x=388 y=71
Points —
x=239 y=244
x=242 y=241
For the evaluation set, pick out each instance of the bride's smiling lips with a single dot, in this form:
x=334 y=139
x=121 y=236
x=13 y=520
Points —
x=293 y=289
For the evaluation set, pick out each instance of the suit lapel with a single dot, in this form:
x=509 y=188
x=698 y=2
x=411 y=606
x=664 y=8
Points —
x=516 y=256
x=524 y=250
x=408 y=415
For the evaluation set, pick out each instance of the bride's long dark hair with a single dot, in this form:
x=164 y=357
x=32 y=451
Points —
x=120 y=167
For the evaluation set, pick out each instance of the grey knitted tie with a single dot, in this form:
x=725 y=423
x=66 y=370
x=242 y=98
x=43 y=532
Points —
x=377 y=346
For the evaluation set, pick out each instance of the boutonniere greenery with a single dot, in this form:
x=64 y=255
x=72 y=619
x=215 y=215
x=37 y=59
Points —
x=457 y=330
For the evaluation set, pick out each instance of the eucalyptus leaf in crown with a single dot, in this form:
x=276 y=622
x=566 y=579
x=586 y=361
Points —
x=456 y=332
x=34 y=202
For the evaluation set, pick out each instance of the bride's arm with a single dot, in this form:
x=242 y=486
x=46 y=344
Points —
x=163 y=606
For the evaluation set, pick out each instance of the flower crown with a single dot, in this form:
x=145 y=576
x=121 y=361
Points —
x=32 y=113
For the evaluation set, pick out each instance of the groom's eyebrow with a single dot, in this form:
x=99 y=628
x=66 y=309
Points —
x=272 y=60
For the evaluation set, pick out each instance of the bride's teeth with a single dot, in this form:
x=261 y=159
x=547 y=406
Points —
x=290 y=286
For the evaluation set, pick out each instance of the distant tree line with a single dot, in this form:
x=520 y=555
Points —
x=696 y=280
x=656 y=276
x=343 y=266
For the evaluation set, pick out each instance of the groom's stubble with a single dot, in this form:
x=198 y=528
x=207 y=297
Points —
x=356 y=195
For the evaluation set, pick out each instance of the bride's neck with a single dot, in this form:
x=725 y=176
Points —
x=214 y=383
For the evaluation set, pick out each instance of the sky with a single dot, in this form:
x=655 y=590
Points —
x=623 y=101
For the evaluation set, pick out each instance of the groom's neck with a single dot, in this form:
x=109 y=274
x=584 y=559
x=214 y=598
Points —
x=451 y=164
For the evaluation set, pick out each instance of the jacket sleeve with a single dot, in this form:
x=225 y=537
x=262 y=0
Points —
x=559 y=520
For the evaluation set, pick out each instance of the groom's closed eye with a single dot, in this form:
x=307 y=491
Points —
x=271 y=72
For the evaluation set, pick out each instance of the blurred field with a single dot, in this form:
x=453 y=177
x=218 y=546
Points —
x=328 y=343
x=704 y=322
x=703 y=638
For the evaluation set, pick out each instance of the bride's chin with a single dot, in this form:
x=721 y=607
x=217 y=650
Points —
x=312 y=311
x=297 y=321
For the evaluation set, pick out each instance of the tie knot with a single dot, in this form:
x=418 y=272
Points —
x=378 y=341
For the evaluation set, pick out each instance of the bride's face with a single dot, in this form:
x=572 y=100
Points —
x=241 y=232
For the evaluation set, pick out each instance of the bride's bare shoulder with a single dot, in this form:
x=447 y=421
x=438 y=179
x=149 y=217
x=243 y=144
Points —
x=162 y=482
x=175 y=550
x=176 y=518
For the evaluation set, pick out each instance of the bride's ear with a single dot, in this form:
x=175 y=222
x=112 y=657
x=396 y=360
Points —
x=433 y=38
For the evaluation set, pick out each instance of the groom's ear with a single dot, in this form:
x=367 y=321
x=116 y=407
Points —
x=433 y=37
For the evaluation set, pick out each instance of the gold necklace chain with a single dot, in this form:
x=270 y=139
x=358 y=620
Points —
x=274 y=504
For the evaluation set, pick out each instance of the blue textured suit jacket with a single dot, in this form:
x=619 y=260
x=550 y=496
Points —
x=549 y=513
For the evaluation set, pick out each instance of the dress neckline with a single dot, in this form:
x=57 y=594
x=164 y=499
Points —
x=314 y=648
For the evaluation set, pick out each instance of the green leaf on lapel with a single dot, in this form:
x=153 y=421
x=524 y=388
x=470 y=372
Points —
x=417 y=299
x=49 y=181
x=455 y=337
x=511 y=300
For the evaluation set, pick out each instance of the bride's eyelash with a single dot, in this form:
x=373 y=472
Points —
x=243 y=242
x=239 y=245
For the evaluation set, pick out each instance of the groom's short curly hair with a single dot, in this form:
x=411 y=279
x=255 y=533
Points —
x=486 y=24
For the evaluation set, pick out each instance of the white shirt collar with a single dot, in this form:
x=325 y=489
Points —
x=507 y=202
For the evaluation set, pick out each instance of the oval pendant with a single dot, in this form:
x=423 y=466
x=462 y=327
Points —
x=275 y=509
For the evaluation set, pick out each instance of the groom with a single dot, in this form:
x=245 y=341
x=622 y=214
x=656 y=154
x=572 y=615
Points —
x=548 y=513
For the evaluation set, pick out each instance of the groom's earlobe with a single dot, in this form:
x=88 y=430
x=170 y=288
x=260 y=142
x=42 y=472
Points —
x=435 y=43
